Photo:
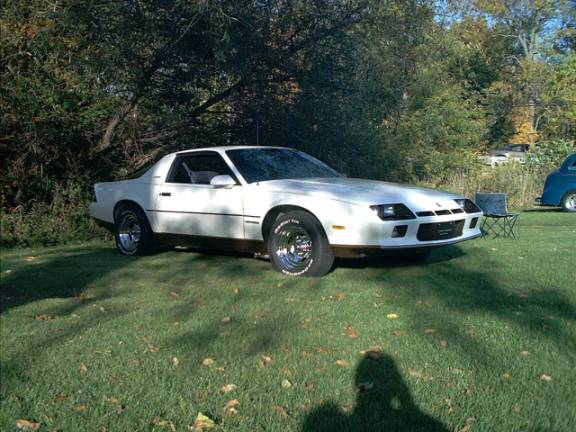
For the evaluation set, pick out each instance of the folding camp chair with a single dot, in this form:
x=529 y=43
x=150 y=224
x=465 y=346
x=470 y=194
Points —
x=497 y=221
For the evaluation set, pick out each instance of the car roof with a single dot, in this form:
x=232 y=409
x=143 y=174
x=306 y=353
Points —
x=226 y=148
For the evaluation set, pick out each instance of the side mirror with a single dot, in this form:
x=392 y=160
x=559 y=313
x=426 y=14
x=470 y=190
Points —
x=223 y=181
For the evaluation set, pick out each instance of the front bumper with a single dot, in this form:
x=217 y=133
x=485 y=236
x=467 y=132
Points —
x=383 y=236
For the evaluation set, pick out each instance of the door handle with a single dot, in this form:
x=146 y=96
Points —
x=165 y=193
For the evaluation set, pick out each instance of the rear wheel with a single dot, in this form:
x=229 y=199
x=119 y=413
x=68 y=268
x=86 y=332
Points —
x=569 y=201
x=132 y=231
x=298 y=246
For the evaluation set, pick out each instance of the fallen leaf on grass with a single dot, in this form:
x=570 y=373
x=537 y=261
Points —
x=153 y=349
x=322 y=350
x=42 y=317
x=59 y=397
x=174 y=294
x=264 y=360
x=231 y=407
x=157 y=421
x=225 y=319
x=27 y=425
x=281 y=410
x=115 y=402
x=468 y=426
x=341 y=296
x=429 y=331
x=236 y=290
x=444 y=343
x=81 y=408
x=351 y=331
x=30 y=258
x=83 y=368
x=203 y=422
x=102 y=309
x=227 y=388
x=525 y=353
x=208 y=361
x=450 y=407
x=342 y=363
x=392 y=316
x=505 y=376
x=419 y=375
x=373 y=352
x=286 y=383
x=175 y=361
x=545 y=377
x=399 y=333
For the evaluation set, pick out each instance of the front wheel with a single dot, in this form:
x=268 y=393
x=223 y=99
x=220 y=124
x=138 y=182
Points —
x=569 y=201
x=297 y=245
x=132 y=231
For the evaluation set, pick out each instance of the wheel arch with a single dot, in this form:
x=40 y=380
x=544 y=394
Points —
x=276 y=211
x=126 y=203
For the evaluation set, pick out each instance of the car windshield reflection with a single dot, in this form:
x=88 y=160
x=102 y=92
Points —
x=261 y=164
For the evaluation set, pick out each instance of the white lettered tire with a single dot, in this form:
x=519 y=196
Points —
x=297 y=245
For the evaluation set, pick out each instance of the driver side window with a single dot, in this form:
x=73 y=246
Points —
x=198 y=169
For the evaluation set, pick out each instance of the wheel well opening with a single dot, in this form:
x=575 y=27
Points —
x=125 y=203
x=274 y=213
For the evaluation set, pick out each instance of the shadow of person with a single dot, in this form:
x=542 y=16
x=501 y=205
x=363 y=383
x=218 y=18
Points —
x=384 y=403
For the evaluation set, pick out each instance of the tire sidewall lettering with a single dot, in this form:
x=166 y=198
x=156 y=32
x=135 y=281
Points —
x=283 y=223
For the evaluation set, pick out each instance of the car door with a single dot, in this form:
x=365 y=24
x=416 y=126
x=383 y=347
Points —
x=188 y=204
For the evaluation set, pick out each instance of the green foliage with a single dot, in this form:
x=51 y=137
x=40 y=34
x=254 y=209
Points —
x=95 y=91
x=549 y=155
x=64 y=220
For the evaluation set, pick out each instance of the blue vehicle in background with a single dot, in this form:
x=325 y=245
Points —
x=560 y=186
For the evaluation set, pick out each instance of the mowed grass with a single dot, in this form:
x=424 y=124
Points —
x=479 y=338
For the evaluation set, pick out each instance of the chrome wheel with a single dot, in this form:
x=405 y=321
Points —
x=570 y=202
x=293 y=247
x=129 y=233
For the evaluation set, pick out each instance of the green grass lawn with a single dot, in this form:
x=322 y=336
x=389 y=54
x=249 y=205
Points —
x=481 y=337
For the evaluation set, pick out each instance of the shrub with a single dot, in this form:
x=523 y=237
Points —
x=521 y=182
x=64 y=220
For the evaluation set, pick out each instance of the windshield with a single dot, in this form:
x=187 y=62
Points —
x=261 y=164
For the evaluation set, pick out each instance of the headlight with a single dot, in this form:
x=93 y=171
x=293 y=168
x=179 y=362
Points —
x=467 y=205
x=393 y=212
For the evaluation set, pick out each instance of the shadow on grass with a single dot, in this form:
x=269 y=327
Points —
x=58 y=275
x=400 y=259
x=383 y=403
x=448 y=285
x=63 y=274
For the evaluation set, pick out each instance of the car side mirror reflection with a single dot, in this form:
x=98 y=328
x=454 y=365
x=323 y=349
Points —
x=223 y=181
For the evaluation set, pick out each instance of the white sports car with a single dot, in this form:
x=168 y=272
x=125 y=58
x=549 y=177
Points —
x=278 y=202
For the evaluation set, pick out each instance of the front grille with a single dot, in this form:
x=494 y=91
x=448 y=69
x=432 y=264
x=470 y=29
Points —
x=439 y=212
x=440 y=230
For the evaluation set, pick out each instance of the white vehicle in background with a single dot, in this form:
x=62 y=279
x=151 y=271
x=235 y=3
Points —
x=503 y=155
x=280 y=202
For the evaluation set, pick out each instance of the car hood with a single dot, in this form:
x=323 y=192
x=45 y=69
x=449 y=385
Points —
x=365 y=192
